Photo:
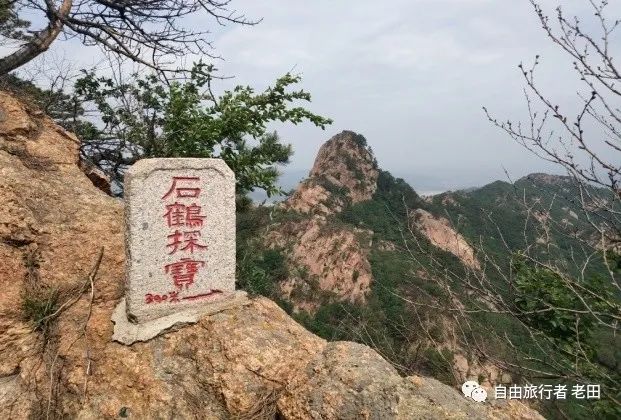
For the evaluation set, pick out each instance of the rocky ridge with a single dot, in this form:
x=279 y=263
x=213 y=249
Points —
x=345 y=172
x=335 y=256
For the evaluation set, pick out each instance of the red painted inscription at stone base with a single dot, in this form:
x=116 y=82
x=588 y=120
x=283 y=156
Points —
x=173 y=297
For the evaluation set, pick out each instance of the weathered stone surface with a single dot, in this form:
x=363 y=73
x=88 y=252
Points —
x=335 y=256
x=351 y=381
x=97 y=176
x=127 y=332
x=52 y=226
x=344 y=165
x=248 y=361
x=180 y=239
x=441 y=234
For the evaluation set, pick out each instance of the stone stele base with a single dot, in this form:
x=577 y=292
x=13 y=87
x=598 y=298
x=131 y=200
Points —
x=126 y=332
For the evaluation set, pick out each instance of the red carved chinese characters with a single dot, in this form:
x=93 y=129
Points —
x=173 y=297
x=183 y=192
x=184 y=217
x=183 y=271
x=178 y=214
x=186 y=241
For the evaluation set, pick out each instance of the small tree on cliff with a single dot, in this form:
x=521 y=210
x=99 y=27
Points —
x=145 y=117
x=147 y=32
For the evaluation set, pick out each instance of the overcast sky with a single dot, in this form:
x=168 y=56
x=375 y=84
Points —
x=410 y=75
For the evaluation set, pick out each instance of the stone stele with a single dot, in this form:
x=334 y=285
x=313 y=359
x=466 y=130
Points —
x=180 y=236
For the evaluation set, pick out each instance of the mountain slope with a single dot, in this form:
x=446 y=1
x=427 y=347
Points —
x=355 y=250
x=361 y=256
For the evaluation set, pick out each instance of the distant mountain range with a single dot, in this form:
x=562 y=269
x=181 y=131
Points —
x=423 y=183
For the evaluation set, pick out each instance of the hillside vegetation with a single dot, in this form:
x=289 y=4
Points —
x=421 y=304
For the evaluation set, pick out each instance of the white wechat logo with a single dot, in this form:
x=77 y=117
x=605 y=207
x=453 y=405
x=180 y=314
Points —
x=471 y=389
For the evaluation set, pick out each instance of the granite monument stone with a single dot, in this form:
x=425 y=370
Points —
x=180 y=236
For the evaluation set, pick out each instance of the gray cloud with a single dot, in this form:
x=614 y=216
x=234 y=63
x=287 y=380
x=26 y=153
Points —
x=411 y=75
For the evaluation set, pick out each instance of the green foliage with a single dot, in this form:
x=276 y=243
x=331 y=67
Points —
x=385 y=214
x=497 y=214
x=258 y=269
x=547 y=299
x=11 y=25
x=259 y=273
x=38 y=304
x=389 y=271
x=568 y=313
x=150 y=118
x=396 y=193
x=438 y=363
x=360 y=140
x=327 y=322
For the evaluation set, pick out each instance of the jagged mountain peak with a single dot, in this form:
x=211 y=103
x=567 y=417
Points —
x=345 y=172
x=348 y=150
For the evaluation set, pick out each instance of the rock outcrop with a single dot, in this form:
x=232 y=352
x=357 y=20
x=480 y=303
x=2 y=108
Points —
x=547 y=179
x=332 y=258
x=344 y=172
x=57 y=359
x=441 y=234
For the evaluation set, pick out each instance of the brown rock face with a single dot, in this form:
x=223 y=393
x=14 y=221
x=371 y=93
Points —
x=442 y=235
x=346 y=162
x=252 y=361
x=52 y=227
x=344 y=170
x=325 y=386
x=334 y=257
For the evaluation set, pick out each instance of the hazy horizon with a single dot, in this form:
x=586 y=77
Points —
x=424 y=184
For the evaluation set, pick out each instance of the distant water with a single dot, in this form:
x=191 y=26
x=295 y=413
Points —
x=424 y=183
x=432 y=192
x=259 y=196
x=290 y=179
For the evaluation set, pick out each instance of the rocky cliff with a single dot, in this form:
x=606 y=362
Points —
x=345 y=172
x=57 y=359
x=333 y=258
x=440 y=233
